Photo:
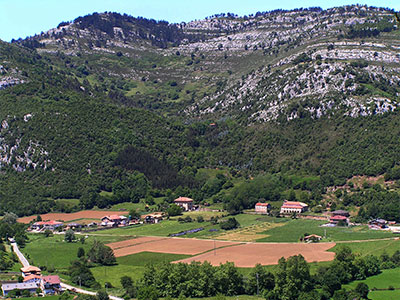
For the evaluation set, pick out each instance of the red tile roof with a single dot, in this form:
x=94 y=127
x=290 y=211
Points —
x=338 y=218
x=183 y=199
x=112 y=217
x=30 y=277
x=52 y=222
x=30 y=269
x=262 y=204
x=293 y=204
x=52 y=279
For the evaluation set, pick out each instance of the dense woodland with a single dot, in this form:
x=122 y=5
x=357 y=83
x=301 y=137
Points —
x=94 y=145
x=70 y=133
x=291 y=280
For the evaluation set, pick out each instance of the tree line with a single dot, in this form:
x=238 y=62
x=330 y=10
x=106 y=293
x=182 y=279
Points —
x=291 y=280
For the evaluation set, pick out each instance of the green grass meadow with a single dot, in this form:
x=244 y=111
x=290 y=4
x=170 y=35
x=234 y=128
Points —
x=55 y=252
x=131 y=265
x=382 y=281
x=294 y=229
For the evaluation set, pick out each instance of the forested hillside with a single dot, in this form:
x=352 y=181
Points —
x=137 y=107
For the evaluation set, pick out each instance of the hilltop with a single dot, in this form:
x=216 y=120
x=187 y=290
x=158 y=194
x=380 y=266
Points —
x=110 y=102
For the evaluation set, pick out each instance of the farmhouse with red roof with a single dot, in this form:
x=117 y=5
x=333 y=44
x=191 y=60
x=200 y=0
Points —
x=50 y=284
x=338 y=218
x=43 y=225
x=184 y=202
x=290 y=207
x=114 y=221
x=262 y=207
x=30 y=270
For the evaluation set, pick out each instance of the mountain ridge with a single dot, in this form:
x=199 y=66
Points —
x=308 y=92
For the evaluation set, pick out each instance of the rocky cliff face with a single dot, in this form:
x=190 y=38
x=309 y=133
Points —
x=293 y=64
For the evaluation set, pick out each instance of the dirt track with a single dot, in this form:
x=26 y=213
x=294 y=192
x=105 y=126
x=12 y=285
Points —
x=242 y=254
x=84 y=214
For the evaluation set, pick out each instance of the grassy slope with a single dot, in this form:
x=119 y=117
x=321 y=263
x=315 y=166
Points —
x=294 y=229
x=372 y=247
x=131 y=265
x=55 y=252
x=382 y=281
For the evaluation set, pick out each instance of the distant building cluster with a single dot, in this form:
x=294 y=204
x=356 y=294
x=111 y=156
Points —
x=33 y=281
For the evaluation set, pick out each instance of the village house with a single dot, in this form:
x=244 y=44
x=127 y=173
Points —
x=340 y=212
x=30 y=270
x=378 y=224
x=74 y=226
x=312 y=238
x=114 y=221
x=290 y=207
x=263 y=208
x=339 y=218
x=21 y=286
x=50 y=284
x=184 y=202
x=153 y=218
x=32 y=278
x=43 y=225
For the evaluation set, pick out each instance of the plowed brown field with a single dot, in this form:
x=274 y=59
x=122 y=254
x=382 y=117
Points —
x=166 y=245
x=242 y=254
x=84 y=214
x=247 y=255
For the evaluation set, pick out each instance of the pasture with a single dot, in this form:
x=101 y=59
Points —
x=131 y=265
x=382 y=281
x=294 y=229
x=54 y=252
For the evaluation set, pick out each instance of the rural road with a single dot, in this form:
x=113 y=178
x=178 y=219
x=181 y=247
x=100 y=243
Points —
x=21 y=257
x=25 y=263
x=78 y=290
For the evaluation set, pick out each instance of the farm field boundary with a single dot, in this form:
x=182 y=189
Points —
x=216 y=252
x=84 y=214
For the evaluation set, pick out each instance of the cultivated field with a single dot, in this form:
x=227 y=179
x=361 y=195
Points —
x=84 y=214
x=248 y=255
x=166 y=245
x=242 y=254
x=248 y=234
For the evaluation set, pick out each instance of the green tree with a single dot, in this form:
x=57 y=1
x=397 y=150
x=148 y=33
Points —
x=229 y=224
x=229 y=281
x=80 y=274
x=81 y=252
x=174 y=210
x=102 y=295
x=147 y=293
x=362 y=290
x=101 y=254
x=69 y=236
x=10 y=218
x=126 y=282
x=292 y=277
x=259 y=280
